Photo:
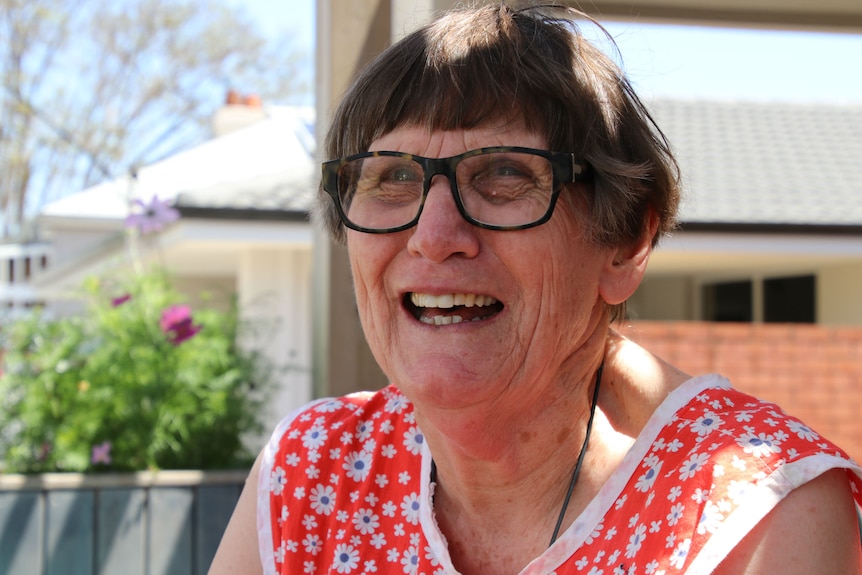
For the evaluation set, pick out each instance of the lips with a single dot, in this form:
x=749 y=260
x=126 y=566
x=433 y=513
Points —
x=448 y=309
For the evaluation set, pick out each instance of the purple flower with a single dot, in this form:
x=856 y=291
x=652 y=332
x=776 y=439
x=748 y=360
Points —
x=118 y=301
x=177 y=324
x=101 y=453
x=154 y=215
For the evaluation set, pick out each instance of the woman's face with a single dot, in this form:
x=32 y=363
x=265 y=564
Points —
x=541 y=289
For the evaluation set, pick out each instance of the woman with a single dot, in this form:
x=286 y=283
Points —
x=500 y=187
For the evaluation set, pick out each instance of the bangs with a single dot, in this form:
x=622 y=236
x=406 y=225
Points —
x=461 y=73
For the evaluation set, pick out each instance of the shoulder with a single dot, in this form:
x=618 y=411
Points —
x=812 y=530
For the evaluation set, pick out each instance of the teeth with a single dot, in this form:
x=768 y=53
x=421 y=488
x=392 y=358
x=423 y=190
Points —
x=447 y=301
x=442 y=319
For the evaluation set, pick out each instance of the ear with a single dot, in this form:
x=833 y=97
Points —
x=627 y=265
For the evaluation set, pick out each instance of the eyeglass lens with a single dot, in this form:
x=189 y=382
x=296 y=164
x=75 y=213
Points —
x=495 y=188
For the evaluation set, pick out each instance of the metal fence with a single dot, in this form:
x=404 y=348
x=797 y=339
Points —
x=164 y=523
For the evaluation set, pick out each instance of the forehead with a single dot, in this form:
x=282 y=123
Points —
x=443 y=143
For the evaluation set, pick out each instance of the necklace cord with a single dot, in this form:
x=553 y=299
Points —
x=580 y=462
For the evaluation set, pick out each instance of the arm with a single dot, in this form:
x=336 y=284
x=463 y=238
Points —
x=813 y=530
x=238 y=550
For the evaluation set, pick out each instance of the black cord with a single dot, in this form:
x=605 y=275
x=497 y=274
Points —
x=580 y=462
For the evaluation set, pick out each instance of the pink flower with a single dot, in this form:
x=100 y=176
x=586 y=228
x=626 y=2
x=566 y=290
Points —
x=118 y=301
x=154 y=216
x=177 y=324
x=101 y=453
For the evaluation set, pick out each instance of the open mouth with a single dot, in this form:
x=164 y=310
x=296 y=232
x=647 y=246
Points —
x=447 y=309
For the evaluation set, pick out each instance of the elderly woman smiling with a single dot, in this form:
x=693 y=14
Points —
x=500 y=187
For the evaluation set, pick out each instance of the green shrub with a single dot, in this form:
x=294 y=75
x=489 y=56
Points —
x=137 y=382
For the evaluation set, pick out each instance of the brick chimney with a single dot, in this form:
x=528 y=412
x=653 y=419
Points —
x=238 y=111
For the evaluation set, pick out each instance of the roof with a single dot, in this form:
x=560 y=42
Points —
x=766 y=163
x=268 y=166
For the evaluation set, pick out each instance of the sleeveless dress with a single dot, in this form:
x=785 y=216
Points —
x=345 y=487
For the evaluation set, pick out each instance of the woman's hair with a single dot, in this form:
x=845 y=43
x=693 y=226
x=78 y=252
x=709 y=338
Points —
x=525 y=63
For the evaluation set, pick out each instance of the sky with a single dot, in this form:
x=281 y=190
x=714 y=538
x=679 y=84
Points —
x=676 y=61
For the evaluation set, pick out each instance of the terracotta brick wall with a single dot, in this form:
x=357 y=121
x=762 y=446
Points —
x=814 y=372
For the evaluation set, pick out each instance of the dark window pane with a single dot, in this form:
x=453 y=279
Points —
x=729 y=301
x=790 y=300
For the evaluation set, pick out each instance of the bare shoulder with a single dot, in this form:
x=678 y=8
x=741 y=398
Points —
x=638 y=382
x=238 y=550
x=813 y=530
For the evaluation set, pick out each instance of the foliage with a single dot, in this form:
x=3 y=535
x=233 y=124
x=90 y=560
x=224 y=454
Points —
x=90 y=89
x=137 y=382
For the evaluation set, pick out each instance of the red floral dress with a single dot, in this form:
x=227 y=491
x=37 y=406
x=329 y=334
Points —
x=345 y=488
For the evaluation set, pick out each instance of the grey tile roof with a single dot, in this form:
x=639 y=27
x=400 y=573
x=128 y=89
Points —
x=767 y=163
x=285 y=191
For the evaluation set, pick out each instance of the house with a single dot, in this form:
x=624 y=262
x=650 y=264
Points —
x=768 y=256
x=244 y=198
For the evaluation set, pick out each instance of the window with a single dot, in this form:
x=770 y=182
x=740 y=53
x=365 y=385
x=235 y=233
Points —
x=779 y=300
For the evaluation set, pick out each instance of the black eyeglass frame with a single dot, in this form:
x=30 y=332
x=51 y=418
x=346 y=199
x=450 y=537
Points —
x=565 y=169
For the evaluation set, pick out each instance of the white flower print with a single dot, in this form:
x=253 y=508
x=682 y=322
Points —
x=636 y=541
x=358 y=465
x=388 y=451
x=329 y=406
x=680 y=554
x=674 y=446
x=801 y=430
x=393 y=555
x=371 y=499
x=346 y=558
x=410 y=560
x=758 y=444
x=364 y=429
x=692 y=465
x=646 y=481
x=280 y=552
x=739 y=490
x=322 y=499
x=312 y=544
x=299 y=492
x=710 y=519
x=596 y=571
x=381 y=480
x=655 y=526
x=389 y=509
x=739 y=463
x=596 y=532
x=612 y=558
x=675 y=514
x=309 y=567
x=410 y=508
x=706 y=424
x=335 y=453
x=370 y=566
x=620 y=502
x=429 y=556
x=312 y=472
x=309 y=521
x=277 y=480
x=292 y=460
x=346 y=438
x=396 y=404
x=378 y=540
x=413 y=440
x=674 y=493
x=744 y=416
x=342 y=516
x=386 y=426
x=315 y=437
x=670 y=540
x=404 y=478
x=366 y=521
x=582 y=563
x=650 y=567
x=700 y=495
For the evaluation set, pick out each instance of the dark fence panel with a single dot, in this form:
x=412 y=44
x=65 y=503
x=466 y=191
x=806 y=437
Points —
x=164 y=523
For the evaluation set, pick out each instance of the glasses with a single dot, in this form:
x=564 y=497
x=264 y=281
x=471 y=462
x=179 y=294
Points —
x=502 y=188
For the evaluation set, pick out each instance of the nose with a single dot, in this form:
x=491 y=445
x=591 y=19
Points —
x=441 y=231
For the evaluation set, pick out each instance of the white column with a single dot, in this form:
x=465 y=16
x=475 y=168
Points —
x=274 y=293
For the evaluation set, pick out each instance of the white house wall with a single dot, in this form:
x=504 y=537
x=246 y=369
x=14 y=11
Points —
x=839 y=295
x=273 y=287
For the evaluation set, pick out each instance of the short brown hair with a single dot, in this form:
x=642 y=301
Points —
x=527 y=63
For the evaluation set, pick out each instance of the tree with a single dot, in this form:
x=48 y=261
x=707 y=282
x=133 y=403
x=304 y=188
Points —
x=93 y=88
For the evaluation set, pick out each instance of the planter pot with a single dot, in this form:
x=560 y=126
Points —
x=147 y=523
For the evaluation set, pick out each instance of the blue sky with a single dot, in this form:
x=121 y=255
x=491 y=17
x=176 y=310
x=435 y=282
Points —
x=687 y=62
